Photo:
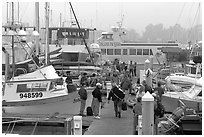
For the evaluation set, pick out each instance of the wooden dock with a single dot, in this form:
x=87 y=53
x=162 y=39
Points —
x=107 y=125
x=111 y=125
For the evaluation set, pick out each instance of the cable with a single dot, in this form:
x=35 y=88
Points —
x=81 y=35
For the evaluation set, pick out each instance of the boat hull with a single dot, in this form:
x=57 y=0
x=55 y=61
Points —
x=171 y=103
x=64 y=105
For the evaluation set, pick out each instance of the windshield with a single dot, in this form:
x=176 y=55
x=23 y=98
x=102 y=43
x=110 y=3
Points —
x=194 y=91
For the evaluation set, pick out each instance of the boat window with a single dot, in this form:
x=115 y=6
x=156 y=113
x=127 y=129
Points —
x=139 y=51
x=109 y=51
x=52 y=85
x=103 y=51
x=145 y=51
x=151 y=53
x=194 y=90
x=117 y=51
x=193 y=70
x=31 y=87
x=132 y=51
x=124 y=51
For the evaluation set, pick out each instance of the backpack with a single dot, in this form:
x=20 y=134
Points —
x=89 y=111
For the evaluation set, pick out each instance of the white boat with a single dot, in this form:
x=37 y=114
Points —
x=184 y=81
x=191 y=98
x=112 y=48
x=33 y=88
x=74 y=53
x=37 y=87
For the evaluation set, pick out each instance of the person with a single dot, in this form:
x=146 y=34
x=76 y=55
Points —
x=137 y=110
x=68 y=80
x=117 y=96
x=147 y=87
x=83 y=79
x=115 y=78
x=97 y=99
x=108 y=88
x=83 y=97
x=135 y=69
x=159 y=90
x=159 y=109
x=131 y=68
x=141 y=90
x=126 y=85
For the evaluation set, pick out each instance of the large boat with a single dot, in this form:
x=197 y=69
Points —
x=112 y=48
x=191 y=98
x=74 y=54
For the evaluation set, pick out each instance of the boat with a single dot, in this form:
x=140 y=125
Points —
x=185 y=80
x=182 y=121
x=113 y=48
x=40 y=87
x=33 y=88
x=192 y=98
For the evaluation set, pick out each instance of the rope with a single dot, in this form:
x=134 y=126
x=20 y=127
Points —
x=8 y=128
x=13 y=127
x=34 y=127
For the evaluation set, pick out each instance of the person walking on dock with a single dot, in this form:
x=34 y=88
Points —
x=117 y=96
x=83 y=96
x=97 y=99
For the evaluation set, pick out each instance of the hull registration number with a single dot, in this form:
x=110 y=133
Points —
x=31 y=95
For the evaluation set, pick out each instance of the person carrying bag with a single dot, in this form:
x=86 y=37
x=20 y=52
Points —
x=117 y=96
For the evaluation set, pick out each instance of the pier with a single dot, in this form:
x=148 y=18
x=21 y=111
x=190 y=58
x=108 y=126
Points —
x=111 y=125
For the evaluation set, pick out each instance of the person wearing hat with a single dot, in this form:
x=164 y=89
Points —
x=97 y=99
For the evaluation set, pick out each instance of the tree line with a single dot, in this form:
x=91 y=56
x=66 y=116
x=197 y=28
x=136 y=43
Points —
x=158 y=34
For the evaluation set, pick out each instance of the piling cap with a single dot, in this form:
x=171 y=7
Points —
x=78 y=118
x=147 y=61
x=147 y=97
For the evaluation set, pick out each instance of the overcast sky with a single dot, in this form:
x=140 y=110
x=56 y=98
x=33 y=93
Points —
x=104 y=15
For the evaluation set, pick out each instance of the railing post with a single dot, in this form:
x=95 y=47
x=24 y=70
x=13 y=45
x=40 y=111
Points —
x=139 y=126
x=77 y=125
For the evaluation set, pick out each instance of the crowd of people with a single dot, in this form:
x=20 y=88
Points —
x=117 y=86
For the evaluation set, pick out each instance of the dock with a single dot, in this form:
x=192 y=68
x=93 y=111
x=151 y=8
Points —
x=111 y=125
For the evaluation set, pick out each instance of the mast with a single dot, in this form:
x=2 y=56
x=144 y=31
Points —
x=18 y=13
x=12 y=39
x=7 y=14
x=37 y=23
x=60 y=19
x=47 y=6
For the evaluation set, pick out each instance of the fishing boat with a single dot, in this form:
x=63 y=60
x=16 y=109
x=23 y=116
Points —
x=33 y=88
x=40 y=87
x=191 y=98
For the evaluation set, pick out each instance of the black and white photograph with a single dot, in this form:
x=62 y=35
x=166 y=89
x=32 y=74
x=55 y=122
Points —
x=101 y=67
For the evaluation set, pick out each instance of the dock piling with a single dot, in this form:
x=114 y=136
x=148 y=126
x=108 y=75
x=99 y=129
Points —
x=147 y=114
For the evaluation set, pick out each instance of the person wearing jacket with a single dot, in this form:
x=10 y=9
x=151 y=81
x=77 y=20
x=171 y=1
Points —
x=97 y=99
x=83 y=96
x=117 y=96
